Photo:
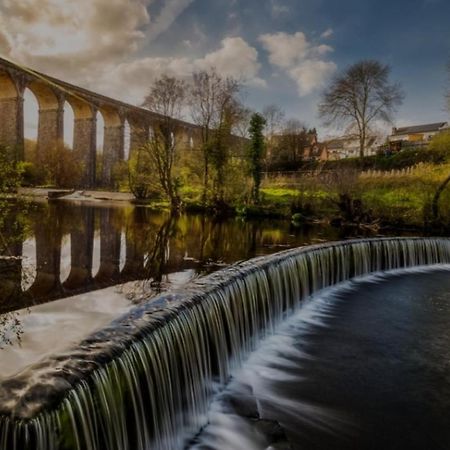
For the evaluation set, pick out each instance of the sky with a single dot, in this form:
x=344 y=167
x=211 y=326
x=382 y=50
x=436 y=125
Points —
x=285 y=51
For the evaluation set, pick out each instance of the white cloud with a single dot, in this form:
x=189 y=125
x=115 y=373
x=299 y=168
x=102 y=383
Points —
x=321 y=50
x=129 y=81
x=311 y=74
x=80 y=41
x=278 y=8
x=71 y=39
x=169 y=13
x=302 y=60
x=95 y=43
x=285 y=50
x=5 y=47
x=327 y=33
x=235 y=58
x=132 y=79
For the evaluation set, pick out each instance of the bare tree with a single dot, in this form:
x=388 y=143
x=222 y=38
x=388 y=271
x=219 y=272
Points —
x=359 y=96
x=274 y=117
x=294 y=139
x=214 y=106
x=167 y=97
x=243 y=117
x=289 y=146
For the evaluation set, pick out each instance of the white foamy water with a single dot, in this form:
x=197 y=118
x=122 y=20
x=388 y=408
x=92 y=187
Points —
x=277 y=360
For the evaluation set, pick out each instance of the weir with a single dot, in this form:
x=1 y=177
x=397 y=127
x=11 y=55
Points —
x=146 y=381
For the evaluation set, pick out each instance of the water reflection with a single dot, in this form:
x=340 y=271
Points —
x=62 y=250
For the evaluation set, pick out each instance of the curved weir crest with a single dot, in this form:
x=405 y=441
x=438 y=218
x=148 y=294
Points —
x=147 y=380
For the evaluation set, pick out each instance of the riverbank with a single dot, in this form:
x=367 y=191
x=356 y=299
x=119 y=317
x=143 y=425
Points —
x=395 y=200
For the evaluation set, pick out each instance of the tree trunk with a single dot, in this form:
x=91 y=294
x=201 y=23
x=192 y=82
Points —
x=362 y=143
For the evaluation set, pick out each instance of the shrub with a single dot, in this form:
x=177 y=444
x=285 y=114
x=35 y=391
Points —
x=10 y=170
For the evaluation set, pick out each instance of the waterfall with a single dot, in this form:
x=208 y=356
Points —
x=146 y=381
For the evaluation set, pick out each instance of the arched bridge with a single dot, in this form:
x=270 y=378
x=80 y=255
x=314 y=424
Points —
x=51 y=94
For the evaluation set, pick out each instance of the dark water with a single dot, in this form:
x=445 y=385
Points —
x=63 y=249
x=364 y=367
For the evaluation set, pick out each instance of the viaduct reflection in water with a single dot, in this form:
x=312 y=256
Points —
x=105 y=246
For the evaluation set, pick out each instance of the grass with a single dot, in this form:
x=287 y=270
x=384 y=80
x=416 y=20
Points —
x=394 y=198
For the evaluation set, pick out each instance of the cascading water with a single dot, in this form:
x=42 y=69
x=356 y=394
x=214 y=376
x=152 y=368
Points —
x=146 y=382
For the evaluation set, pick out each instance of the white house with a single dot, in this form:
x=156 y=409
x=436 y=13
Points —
x=417 y=134
x=348 y=147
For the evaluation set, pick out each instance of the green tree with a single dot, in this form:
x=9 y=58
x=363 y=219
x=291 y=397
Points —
x=256 y=152
x=141 y=180
x=220 y=151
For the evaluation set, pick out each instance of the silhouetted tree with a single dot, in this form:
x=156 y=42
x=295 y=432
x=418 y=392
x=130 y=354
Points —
x=274 y=117
x=359 y=96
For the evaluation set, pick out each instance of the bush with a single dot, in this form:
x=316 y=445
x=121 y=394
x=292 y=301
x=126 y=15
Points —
x=31 y=175
x=10 y=170
x=441 y=143
x=438 y=152
x=58 y=166
x=435 y=154
x=141 y=179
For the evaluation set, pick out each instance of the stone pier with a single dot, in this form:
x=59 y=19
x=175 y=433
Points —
x=85 y=139
x=11 y=114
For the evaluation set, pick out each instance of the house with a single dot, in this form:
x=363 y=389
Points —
x=348 y=147
x=293 y=145
x=315 y=152
x=416 y=135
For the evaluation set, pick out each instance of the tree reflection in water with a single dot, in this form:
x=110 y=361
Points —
x=77 y=249
x=12 y=231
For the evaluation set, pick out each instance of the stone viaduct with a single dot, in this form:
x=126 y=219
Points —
x=51 y=94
